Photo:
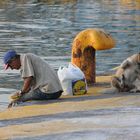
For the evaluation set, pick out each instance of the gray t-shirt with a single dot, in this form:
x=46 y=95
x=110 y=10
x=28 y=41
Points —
x=44 y=77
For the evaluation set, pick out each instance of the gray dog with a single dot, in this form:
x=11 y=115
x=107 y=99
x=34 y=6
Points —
x=127 y=77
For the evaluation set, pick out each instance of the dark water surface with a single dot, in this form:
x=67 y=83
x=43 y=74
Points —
x=48 y=27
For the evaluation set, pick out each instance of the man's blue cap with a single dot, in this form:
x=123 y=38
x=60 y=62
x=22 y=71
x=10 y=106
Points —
x=8 y=56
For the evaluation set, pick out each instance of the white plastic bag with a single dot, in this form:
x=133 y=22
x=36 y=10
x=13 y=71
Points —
x=69 y=76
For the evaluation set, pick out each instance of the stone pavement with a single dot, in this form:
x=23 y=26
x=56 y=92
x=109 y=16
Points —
x=94 y=116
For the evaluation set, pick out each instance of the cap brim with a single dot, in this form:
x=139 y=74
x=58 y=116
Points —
x=6 y=66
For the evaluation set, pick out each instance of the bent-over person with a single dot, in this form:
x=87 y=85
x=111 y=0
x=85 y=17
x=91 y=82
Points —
x=40 y=80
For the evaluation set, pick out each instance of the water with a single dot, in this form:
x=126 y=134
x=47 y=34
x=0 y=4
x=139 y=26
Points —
x=47 y=28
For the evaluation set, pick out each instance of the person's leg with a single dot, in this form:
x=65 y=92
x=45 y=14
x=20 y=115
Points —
x=38 y=95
